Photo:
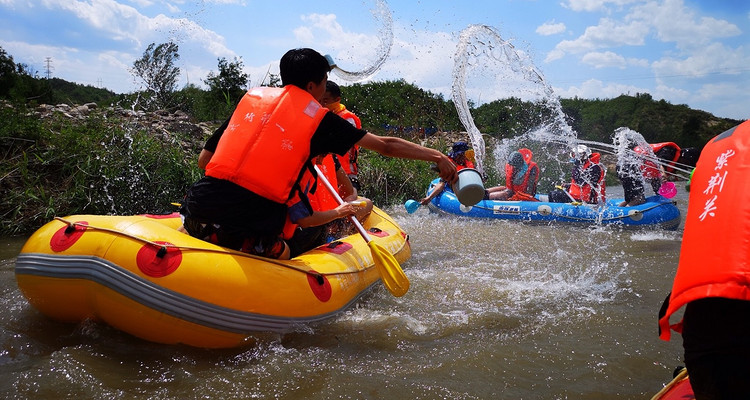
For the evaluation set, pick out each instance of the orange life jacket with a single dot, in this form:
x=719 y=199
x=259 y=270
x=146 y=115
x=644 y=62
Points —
x=349 y=160
x=586 y=192
x=524 y=186
x=320 y=200
x=715 y=253
x=269 y=127
x=323 y=200
x=658 y=146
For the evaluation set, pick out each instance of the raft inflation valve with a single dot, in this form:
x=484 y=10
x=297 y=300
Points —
x=162 y=252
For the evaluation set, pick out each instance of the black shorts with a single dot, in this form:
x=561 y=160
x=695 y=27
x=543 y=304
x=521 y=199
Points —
x=231 y=216
x=714 y=336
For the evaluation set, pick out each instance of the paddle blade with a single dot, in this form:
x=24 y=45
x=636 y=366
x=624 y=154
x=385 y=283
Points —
x=391 y=274
x=411 y=206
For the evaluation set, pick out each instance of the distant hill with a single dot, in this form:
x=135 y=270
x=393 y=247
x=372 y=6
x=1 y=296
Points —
x=414 y=111
x=63 y=91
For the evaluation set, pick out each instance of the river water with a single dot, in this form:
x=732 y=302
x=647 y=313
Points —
x=496 y=310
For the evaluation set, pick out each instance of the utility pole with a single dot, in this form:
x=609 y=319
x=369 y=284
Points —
x=48 y=62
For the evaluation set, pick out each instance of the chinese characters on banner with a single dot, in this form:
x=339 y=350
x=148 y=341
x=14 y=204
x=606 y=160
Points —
x=716 y=184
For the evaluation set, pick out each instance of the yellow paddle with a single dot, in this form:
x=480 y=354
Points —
x=391 y=274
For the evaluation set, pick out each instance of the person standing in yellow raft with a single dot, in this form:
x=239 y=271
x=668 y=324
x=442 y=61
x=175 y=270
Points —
x=713 y=274
x=332 y=100
x=260 y=157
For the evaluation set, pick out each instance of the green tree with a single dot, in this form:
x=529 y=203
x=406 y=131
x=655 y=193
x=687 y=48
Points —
x=159 y=74
x=273 y=81
x=400 y=108
x=230 y=82
x=8 y=75
x=225 y=88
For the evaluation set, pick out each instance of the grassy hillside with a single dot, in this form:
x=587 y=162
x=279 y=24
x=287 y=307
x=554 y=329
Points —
x=107 y=163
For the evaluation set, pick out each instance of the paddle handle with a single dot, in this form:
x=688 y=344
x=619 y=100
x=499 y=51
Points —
x=338 y=198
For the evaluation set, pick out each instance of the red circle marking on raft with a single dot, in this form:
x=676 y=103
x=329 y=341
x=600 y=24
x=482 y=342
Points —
x=63 y=239
x=321 y=291
x=150 y=262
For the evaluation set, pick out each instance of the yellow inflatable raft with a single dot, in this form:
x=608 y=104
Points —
x=140 y=275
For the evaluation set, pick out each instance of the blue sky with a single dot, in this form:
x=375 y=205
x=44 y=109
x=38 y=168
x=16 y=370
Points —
x=683 y=51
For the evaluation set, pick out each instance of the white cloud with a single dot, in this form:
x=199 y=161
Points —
x=714 y=58
x=603 y=60
x=352 y=51
x=676 y=95
x=553 y=55
x=674 y=22
x=423 y=58
x=594 y=5
x=304 y=35
x=723 y=99
x=145 y=3
x=670 y=21
x=608 y=33
x=596 y=89
x=550 y=28
x=611 y=59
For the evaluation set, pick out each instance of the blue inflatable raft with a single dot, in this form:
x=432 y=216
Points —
x=656 y=212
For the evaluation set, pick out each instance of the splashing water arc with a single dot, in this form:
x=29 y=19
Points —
x=479 y=44
x=459 y=93
x=382 y=13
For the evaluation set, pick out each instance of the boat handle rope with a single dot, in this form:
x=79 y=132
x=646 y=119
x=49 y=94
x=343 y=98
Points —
x=587 y=219
x=163 y=248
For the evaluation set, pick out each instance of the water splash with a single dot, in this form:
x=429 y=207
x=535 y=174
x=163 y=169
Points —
x=482 y=49
x=382 y=14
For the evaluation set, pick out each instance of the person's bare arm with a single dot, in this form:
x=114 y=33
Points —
x=204 y=158
x=322 y=217
x=397 y=147
x=435 y=191
x=346 y=189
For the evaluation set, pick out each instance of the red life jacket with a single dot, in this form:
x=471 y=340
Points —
x=349 y=160
x=649 y=168
x=669 y=167
x=267 y=141
x=524 y=186
x=467 y=164
x=715 y=253
x=586 y=192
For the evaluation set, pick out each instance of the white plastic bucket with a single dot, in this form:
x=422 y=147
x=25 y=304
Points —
x=469 y=188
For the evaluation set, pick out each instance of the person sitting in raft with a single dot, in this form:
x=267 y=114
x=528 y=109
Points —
x=305 y=230
x=332 y=100
x=461 y=154
x=269 y=140
x=521 y=177
x=635 y=172
x=587 y=183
